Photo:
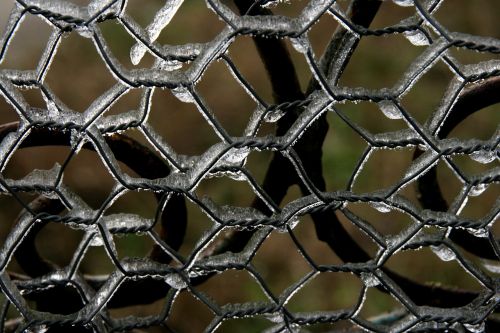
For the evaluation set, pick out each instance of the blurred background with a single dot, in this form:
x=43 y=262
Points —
x=78 y=76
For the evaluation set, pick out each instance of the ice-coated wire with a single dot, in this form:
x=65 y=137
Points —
x=69 y=300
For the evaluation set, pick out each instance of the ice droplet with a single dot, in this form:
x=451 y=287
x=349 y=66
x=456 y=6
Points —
x=238 y=176
x=175 y=281
x=85 y=32
x=169 y=65
x=423 y=147
x=370 y=280
x=483 y=156
x=183 y=94
x=300 y=44
x=481 y=232
x=476 y=328
x=275 y=317
x=236 y=155
x=50 y=195
x=93 y=7
x=52 y=108
x=416 y=37
x=292 y=223
x=477 y=190
x=75 y=139
x=381 y=207
x=390 y=110
x=98 y=5
x=273 y=116
x=58 y=276
x=136 y=54
x=38 y=329
x=97 y=240
x=403 y=3
x=270 y=3
x=492 y=267
x=443 y=252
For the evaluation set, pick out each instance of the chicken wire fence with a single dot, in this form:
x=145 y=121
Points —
x=42 y=296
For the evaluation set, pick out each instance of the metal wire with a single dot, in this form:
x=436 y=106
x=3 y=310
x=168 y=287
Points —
x=62 y=298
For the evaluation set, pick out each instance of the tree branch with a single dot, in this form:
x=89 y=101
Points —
x=471 y=100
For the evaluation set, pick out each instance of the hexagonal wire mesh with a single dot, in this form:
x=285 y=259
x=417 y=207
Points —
x=133 y=215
